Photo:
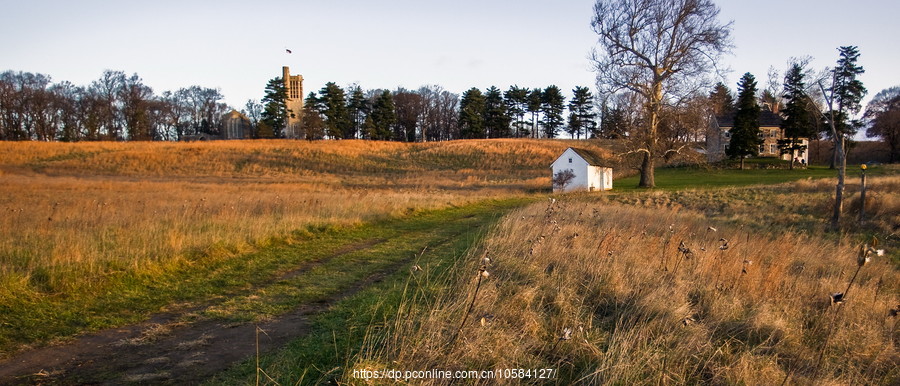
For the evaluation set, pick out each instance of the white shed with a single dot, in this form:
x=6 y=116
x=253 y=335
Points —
x=587 y=174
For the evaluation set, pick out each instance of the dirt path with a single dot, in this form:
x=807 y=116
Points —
x=169 y=350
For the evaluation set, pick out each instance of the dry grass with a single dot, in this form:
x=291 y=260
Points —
x=323 y=163
x=607 y=294
x=64 y=228
x=801 y=205
x=75 y=213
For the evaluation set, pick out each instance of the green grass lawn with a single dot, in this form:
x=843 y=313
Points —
x=695 y=177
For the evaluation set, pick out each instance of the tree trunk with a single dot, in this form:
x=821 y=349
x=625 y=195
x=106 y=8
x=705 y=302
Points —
x=647 y=177
x=793 y=157
x=742 y=162
x=841 y=162
x=834 y=156
x=647 y=171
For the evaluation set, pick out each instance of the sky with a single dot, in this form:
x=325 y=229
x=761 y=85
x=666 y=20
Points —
x=237 y=46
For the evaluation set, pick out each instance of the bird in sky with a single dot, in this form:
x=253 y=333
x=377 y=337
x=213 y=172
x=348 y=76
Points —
x=288 y=51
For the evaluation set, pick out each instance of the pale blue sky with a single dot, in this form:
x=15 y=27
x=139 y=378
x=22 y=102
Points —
x=238 y=45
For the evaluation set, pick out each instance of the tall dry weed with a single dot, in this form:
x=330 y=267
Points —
x=592 y=290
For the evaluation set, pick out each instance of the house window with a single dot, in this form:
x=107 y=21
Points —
x=762 y=149
x=570 y=160
x=773 y=133
x=773 y=148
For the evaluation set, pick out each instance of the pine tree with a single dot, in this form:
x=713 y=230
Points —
x=846 y=92
x=383 y=117
x=582 y=107
x=312 y=124
x=358 y=108
x=535 y=98
x=552 y=106
x=496 y=117
x=334 y=107
x=613 y=123
x=798 y=120
x=745 y=138
x=516 y=105
x=275 y=111
x=471 y=114
x=721 y=101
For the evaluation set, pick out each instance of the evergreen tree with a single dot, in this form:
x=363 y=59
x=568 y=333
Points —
x=496 y=117
x=846 y=92
x=314 y=102
x=535 y=98
x=552 y=106
x=471 y=114
x=721 y=100
x=605 y=117
x=798 y=119
x=573 y=125
x=312 y=126
x=369 y=129
x=613 y=123
x=383 y=117
x=334 y=106
x=582 y=107
x=275 y=111
x=358 y=108
x=517 y=103
x=745 y=138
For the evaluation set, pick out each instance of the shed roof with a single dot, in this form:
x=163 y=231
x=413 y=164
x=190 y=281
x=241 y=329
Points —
x=592 y=158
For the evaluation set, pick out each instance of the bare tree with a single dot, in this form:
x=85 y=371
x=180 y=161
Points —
x=563 y=178
x=136 y=101
x=654 y=48
x=410 y=109
x=771 y=98
x=883 y=115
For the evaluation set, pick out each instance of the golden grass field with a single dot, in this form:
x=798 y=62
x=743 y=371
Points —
x=606 y=293
x=77 y=212
x=598 y=287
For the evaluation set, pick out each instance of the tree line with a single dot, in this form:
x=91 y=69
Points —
x=119 y=107
x=114 y=107
x=430 y=113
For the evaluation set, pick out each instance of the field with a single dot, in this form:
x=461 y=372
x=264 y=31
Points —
x=108 y=218
x=602 y=290
x=373 y=255
x=656 y=293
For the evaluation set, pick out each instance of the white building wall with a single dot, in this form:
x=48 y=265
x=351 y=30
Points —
x=572 y=161
x=587 y=177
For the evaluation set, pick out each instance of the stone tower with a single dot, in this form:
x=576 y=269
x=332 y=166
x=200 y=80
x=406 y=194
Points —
x=293 y=85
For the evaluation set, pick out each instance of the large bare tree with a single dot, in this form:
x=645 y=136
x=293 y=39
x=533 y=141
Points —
x=655 y=48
